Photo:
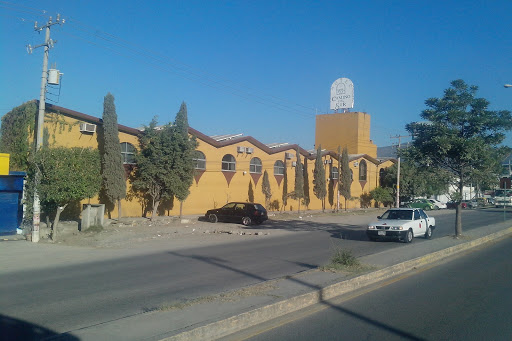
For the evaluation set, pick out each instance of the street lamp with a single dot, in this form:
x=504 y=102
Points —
x=508 y=85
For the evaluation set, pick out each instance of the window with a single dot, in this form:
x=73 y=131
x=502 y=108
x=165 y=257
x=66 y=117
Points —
x=255 y=166
x=362 y=170
x=279 y=168
x=334 y=173
x=199 y=160
x=228 y=163
x=127 y=153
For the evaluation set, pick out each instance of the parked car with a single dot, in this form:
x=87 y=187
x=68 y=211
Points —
x=453 y=204
x=440 y=205
x=424 y=204
x=402 y=224
x=238 y=212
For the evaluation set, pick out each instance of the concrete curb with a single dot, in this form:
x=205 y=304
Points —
x=254 y=317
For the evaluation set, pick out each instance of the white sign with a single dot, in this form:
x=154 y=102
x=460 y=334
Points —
x=342 y=94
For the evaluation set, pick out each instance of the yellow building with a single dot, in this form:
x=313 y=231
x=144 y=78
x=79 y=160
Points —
x=225 y=165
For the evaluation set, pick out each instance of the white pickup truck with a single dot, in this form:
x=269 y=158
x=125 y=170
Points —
x=402 y=224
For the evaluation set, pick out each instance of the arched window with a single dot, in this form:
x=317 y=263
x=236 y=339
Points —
x=279 y=168
x=362 y=170
x=228 y=163
x=382 y=173
x=255 y=166
x=127 y=153
x=334 y=173
x=199 y=160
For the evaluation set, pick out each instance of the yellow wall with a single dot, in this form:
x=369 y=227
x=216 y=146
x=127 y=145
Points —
x=212 y=188
x=351 y=130
x=4 y=164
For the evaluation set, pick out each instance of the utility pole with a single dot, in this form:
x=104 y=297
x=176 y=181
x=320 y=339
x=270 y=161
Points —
x=48 y=44
x=398 y=169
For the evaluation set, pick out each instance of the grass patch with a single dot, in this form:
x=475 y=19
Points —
x=94 y=229
x=344 y=261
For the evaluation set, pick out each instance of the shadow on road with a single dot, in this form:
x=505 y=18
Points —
x=14 y=329
x=223 y=264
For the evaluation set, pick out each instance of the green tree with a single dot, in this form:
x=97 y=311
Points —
x=319 y=183
x=330 y=193
x=66 y=175
x=265 y=188
x=250 y=192
x=415 y=181
x=285 y=186
x=461 y=136
x=299 y=180
x=381 y=195
x=112 y=169
x=345 y=177
x=17 y=126
x=307 y=198
x=182 y=160
x=153 y=175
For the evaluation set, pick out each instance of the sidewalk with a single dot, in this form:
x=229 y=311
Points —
x=218 y=316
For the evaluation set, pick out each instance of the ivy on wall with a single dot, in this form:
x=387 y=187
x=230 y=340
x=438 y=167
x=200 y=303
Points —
x=16 y=130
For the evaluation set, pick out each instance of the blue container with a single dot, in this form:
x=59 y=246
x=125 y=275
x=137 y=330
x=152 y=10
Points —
x=11 y=209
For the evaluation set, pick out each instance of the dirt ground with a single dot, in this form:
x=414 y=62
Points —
x=129 y=232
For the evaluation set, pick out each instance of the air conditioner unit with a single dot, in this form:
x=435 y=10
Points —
x=240 y=149
x=356 y=164
x=328 y=161
x=87 y=128
x=294 y=163
x=249 y=150
x=288 y=156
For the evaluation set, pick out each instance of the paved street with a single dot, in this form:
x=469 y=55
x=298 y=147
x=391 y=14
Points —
x=66 y=298
x=468 y=298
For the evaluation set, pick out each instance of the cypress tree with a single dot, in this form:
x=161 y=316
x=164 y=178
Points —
x=285 y=186
x=345 y=177
x=299 y=180
x=319 y=178
x=250 y=192
x=307 y=199
x=265 y=188
x=113 y=173
x=183 y=165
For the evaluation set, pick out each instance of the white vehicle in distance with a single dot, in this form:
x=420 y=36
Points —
x=402 y=224
x=440 y=205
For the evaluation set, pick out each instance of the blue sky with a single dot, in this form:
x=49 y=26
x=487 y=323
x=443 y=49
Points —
x=261 y=68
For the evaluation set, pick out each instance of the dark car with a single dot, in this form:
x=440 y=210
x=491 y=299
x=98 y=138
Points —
x=238 y=212
x=453 y=204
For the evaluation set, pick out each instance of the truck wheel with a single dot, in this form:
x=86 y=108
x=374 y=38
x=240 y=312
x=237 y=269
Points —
x=213 y=218
x=408 y=236
x=428 y=233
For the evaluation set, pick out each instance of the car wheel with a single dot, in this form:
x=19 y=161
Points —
x=427 y=208
x=408 y=236
x=212 y=218
x=428 y=233
x=246 y=221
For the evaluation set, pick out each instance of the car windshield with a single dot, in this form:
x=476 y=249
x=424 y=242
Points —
x=398 y=214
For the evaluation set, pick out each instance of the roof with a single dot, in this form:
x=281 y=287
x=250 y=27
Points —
x=217 y=141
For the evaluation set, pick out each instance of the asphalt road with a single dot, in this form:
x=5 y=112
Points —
x=468 y=298
x=66 y=298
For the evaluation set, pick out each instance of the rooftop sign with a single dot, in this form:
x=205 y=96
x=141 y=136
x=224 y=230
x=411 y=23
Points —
x=342 y=94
